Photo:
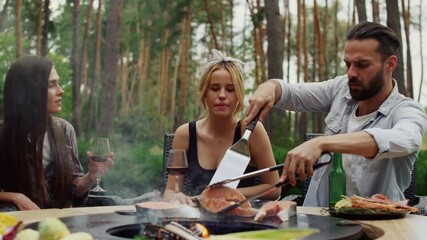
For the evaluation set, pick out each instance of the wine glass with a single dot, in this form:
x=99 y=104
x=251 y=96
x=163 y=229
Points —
x=177 y=165
x=100 y=150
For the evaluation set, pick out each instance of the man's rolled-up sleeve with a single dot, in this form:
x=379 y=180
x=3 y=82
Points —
x=405 y=135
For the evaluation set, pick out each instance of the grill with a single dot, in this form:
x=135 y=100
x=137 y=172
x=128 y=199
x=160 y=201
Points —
x=128 y=225
x=215 y=227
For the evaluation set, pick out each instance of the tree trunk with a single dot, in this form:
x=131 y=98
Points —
x=231 y=38
x=244 y=29
x=420 y=17
x=406 y=23
x=210 y=23
x=173 y=92
x=45 y=30
x=112 y=45
x=299 y=40
x=288 y=114
x=274 y=51
x=319 y=59
x=261 y=35
x=300 y=118
x=76 y=121
x=94 y=83
x=375 y=11
x=353 y=15
x=164 y=90
x=325 y=45
x=319 y=48
x=305 y=42
x=185 y=41
x=18 y=30
x=124 y=80
x=83 y=57
x=361 y=10
x=143 y=63
x=336 y=38
x=303 y=116
x=39 y=28
x=275 y=39
x=132 y=86
x=393 y=22
x=223 y=19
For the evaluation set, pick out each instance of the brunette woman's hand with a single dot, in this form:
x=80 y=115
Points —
x=99 y=169
x=22 y=202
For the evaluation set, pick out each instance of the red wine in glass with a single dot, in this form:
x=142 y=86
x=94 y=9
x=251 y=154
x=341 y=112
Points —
x=100 y=150
x=176 y=170
x=99 y=158
x=177 y=165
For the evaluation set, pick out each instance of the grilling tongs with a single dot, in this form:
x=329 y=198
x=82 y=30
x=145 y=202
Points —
x=262 y=192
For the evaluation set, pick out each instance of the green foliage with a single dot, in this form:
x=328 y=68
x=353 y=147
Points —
x=421 y=186
x=137 y=127
x=137 y=169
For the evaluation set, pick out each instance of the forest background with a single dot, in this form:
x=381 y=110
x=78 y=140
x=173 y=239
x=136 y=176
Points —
x=129 y=68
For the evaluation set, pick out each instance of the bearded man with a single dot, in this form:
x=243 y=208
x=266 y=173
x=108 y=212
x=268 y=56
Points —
x=378 y=130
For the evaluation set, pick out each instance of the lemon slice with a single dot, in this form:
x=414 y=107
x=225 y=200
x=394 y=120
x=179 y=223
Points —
x=343 y=203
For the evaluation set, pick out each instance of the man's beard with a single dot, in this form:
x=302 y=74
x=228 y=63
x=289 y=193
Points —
x=374 y=86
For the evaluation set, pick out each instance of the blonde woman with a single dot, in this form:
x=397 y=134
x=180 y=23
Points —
x=207 y=139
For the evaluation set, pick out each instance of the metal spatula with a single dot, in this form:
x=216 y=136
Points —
x=236 y=158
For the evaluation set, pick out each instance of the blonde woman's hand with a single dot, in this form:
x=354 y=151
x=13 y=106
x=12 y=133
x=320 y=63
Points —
x=181 y=198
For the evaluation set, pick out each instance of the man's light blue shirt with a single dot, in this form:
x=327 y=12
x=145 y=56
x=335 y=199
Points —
x=397 y=128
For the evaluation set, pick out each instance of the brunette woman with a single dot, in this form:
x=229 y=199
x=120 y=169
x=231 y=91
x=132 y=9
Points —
x=39 y=165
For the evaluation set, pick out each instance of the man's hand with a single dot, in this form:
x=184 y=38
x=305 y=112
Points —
x=300 y=160
x=263 y=98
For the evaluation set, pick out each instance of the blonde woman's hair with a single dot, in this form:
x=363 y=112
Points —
x=233 y=66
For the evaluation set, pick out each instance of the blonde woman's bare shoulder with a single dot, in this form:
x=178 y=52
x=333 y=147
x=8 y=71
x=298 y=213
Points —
x=182 y=130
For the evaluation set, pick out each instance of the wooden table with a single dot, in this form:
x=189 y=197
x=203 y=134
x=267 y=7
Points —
x=410 y=227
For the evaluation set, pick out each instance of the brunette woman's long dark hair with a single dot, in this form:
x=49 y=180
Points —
x=26 y=121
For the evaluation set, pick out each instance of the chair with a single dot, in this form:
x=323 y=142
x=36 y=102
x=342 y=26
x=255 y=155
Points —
x=167 y=145
x=410 y=191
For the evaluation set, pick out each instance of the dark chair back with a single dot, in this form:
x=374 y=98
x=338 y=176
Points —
x=410 y=191
x=167 y=145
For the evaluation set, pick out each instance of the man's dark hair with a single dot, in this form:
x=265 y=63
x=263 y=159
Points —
x=389 y=43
